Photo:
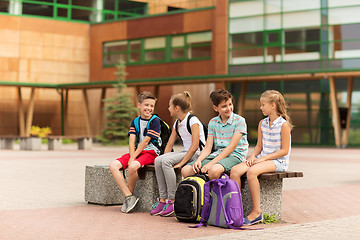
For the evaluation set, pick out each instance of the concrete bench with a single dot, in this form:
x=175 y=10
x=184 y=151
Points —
x=270 y=192
x=83 y=142
x=101 y=188
x=7 y=142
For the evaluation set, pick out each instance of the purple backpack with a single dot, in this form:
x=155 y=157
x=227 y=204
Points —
x=222 y=204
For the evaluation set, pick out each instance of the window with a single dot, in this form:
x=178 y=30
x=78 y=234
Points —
x=134 y=55
x=114 y=51
x=154 y=49
x=38 y=8
x=247 y=39
x=4 y=6
x=273 y=38
x=302 y=44
x=190 y=46
x=199 y=45
x=178 y=47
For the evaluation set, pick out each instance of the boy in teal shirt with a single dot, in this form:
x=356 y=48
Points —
x=228 y=133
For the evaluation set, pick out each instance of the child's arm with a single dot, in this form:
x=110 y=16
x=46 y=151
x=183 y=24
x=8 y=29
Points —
x=258 y=147
x=132 y=140
x=139 y=149
x=171 y=141
x=224 y=153
x=195 y=138
x=204 y=153
x=285 y=145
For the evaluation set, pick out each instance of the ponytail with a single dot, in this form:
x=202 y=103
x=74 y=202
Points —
x=183 y=100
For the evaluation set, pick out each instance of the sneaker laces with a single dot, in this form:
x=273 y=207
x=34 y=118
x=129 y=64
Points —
x=164 y=208
x=154 y=206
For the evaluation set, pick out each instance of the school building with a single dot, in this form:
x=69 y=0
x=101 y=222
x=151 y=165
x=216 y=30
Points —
x=58 y=57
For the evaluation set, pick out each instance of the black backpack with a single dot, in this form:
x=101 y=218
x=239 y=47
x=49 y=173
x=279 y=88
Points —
x=205 y=127
x=165 y=133
x=189 y=198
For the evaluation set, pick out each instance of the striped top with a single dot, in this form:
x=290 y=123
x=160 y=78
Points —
x=222 y=134
x=271 y=139
x=154 y=132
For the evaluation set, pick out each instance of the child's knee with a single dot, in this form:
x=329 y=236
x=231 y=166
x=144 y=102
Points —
x=251 y=173
x=115 y=166
x=215 y=171
x=158 y=161
x=187 y=171
x=234 y=173
x=134 y=167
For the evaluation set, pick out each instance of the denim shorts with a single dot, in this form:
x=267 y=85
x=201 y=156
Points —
x=280 y=167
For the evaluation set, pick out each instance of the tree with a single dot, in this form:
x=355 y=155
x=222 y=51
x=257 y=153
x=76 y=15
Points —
x=119 y=110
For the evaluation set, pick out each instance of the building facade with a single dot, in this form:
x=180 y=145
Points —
x=310 y=52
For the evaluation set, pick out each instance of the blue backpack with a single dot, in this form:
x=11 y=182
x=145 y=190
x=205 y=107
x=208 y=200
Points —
x=222 y=204
x=165 y=133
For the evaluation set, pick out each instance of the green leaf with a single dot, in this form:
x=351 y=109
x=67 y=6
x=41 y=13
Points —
x=269 y=218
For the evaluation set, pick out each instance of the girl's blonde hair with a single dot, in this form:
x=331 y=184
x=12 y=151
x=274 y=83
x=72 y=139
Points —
x=273 y=96
x=183 y=100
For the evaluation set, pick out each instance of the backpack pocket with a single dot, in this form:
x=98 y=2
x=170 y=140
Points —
x=234 y=210
x=185 y=206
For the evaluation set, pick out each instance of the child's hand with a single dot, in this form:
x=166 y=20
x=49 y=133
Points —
x=197 y=166
x=130 y=160
x=206 y=167
x=250 y=161
x=179 y=165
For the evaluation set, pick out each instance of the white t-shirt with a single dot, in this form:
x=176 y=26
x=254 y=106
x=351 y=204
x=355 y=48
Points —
x=186 y=136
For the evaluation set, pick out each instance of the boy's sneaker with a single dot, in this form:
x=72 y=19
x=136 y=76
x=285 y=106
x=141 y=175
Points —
x=168 y=209
x=124 y=206
x=131 y=203
x=157 y=207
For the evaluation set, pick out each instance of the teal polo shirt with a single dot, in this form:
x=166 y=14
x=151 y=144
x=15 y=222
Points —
x=222 y=134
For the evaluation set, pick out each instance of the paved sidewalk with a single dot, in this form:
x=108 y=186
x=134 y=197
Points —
x=342 y=228
x=42 y=197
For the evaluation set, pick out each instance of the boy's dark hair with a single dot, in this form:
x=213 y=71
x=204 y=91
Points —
x=220 y=95
x=146 y=95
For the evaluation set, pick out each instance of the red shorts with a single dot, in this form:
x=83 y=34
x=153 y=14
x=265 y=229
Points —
x=144 y=158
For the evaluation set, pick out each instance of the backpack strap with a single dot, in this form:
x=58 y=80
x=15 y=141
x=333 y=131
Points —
x=177 y=128
x=137 y=128
x=153 y=141
x=188 y=127
x=205 y=212
x=188 y=122
x=152 y=118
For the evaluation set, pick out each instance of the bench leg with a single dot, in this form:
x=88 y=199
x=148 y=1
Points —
x=84 y=143
x=270 y=197
x=54 y=144
x=31 y=143
x=7 y=143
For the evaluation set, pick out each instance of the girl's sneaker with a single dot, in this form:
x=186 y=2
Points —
x=168 y=209
x=157 y=207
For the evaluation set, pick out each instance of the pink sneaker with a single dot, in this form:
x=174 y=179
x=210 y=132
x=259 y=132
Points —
x=168 y=209
x=157 y=207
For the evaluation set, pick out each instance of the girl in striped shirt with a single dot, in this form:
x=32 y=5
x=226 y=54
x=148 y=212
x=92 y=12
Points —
x=271 y=153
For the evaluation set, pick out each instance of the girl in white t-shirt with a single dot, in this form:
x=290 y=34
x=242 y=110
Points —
x=179 y=107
